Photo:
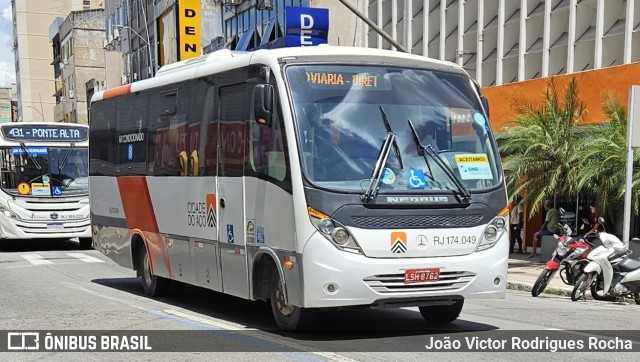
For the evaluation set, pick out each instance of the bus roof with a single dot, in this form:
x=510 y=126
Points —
x=225 y=59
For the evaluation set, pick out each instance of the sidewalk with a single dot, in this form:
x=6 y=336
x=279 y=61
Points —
x=523 y=273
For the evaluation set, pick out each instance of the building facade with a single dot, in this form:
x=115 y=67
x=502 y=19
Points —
x=32 y=51
x=5 y=105
x=78 y=56
x=151 y=33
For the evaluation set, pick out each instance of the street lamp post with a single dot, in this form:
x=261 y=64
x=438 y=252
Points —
x=146 y=41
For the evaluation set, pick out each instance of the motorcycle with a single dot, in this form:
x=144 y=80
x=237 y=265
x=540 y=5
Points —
x=570 y=257
x=609 y=273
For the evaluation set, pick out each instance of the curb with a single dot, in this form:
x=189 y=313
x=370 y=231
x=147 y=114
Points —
x=526 y=287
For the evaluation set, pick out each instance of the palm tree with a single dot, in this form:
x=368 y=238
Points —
x=603 y=157
x=539 y=145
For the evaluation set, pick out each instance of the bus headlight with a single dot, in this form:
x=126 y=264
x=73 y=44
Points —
x=6 y=212
x=492 y=233
x=326 y=226
x=333 y=231
x=340 y=236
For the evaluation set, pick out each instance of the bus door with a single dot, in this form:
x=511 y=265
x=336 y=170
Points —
x=231 y=141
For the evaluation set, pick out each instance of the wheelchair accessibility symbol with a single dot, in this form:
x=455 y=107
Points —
x=57 y=190
x=416 y=179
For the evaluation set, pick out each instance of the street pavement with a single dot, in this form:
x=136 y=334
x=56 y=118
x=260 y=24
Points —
x=53 y=285
x=523 y=272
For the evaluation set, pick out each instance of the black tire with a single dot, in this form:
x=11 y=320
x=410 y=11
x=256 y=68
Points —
x=636 y=296
x=154 y=286
x=442 y=314
x=597 y=291
x=86 y=243
x=580 y=288
x=288 y=317
x=542 y=282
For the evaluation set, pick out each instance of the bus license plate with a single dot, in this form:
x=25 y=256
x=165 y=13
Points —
x=421 y=275
x=55 y=226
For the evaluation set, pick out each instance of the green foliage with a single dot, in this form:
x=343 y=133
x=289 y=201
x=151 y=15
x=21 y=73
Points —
x=603 y=159
x=539 y=147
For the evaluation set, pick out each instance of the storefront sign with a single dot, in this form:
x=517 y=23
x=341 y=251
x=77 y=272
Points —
x=189 y=28
x=306 y=26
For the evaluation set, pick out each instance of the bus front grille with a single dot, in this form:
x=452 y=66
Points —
x=52 y=227
x=417 y=221
x=394 y=283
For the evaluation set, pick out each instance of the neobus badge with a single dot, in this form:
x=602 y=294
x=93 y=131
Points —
x=417 y=199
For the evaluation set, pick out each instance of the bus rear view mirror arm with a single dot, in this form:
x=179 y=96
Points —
x=263 y=103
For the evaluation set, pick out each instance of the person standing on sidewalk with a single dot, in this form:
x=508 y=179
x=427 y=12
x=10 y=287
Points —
x=516 y=221
x=593 y=223
x=549 y=227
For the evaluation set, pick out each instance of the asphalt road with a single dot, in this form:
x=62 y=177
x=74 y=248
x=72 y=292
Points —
x=53 y=285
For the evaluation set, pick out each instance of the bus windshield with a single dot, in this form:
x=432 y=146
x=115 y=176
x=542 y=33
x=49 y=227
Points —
x=45 y=171
x=340 y=115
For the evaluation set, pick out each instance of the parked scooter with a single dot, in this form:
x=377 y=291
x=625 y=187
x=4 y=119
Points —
x=609 y=273
x=570 y=257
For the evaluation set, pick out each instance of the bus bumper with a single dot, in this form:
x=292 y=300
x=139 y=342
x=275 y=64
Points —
x=335 y=278
x=23 y=229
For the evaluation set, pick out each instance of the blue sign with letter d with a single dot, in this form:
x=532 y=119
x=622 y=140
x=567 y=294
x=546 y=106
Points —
x=306 y=26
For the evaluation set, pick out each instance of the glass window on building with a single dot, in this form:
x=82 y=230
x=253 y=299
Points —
x=167 y=42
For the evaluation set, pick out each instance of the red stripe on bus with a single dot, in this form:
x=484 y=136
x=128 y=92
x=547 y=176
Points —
x=137 y=203
x=117 y=91
x=141 y=219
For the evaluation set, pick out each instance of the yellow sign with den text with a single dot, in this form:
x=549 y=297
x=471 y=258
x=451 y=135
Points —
x=189 y=28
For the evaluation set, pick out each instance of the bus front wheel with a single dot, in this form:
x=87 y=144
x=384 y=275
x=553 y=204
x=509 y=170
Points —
x=442 y=314
x=154 y=286
x=288 y=317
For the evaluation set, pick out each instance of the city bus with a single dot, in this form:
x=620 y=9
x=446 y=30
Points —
x=45 y=181
x=315 y=177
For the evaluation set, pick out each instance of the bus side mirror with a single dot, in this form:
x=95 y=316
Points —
x=263 y=103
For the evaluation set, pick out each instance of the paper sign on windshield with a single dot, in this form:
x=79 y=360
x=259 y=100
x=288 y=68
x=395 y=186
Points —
x=474 y=167
x=40 y=190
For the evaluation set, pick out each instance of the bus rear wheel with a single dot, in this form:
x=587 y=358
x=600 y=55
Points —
x=288 y=317
x=442 y=314
x=153 y=285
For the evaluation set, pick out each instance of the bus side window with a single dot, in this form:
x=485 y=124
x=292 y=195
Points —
x=267 y=146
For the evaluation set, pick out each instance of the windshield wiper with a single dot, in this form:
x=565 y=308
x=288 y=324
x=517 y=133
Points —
x=62 y=164
x=387 y=125
x=428 y=150
x=377 y=170
x=33 y=160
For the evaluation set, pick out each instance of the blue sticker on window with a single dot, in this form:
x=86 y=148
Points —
x=230 y=238
x=33 y=151
x=388 y=177
x=416 y=179
x=57 y=190
x=130 y=152
x=260 y=234
x=479 y=118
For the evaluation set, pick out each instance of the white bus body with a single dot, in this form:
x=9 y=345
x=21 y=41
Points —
x=44 y=189
x=249 y=173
